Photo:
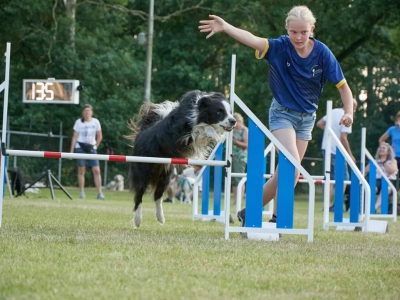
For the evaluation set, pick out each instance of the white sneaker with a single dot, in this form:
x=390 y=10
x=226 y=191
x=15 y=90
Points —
x=82 y=195
x=101 y=197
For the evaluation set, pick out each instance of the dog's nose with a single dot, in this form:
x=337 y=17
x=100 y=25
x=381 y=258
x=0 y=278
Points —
x=232 y=121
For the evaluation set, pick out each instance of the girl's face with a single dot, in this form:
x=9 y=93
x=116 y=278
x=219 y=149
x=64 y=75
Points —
x=299 y=32
x=87 y=113
x=383 y=150
x=239 y=125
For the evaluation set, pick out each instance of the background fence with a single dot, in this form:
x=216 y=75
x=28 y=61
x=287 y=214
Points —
x=64 y=170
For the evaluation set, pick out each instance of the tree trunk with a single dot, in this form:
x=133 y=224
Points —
x=70 y=6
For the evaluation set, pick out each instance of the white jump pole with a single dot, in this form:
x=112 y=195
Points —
x=4 y=86
x=331 y=135
x=362 y=164
x=119 y=158
x=228 y=153
x=327 y=168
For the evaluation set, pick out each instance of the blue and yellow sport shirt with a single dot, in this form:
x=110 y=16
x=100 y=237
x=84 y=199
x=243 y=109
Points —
x=297 y=83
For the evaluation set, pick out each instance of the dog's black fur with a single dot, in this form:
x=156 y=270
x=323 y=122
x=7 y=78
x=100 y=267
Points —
x=185 y=129
x=17 y=182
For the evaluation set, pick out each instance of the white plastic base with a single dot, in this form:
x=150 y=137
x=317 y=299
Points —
x=220 y=218
x=264 y=236
x=378 y=226
x=346 y=228
x=373 y=226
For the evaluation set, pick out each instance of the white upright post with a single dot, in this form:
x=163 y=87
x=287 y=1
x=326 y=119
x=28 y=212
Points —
x=362 y=165
x=327 y=161
x=228 y=156
x=271 y=203
x=4 y=86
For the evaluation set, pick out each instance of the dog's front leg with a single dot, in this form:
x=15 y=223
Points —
x=137 y=217
x=160 y=212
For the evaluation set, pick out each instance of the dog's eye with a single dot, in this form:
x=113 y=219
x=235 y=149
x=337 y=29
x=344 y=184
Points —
x=219 y=112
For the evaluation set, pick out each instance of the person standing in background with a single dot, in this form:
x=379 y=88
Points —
x=86 y=139
x=341 y=133
x=394 y=133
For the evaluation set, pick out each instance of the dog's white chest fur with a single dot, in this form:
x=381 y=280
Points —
x=204 y=137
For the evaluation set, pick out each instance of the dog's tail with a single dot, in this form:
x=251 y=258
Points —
x=149 y=114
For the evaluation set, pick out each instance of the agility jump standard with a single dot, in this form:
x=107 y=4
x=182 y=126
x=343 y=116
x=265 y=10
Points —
x=357 y=178
x=4 y=86
x=255 y=172
x=385 y=185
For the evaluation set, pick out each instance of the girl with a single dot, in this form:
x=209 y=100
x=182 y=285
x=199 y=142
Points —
x=387 y=162
x=299 y=68
x=86 y=139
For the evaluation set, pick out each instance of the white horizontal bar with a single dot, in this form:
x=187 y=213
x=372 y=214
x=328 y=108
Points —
x=345 y=224
x=119 y=158
x=269 y=230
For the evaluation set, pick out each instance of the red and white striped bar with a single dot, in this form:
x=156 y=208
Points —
x=119 y=158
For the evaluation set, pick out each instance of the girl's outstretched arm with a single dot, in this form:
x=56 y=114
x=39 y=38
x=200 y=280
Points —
x=217 y=24
x=347 y=99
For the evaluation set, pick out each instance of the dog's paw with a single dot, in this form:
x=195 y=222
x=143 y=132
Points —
x=137 y=217
x=160 y=212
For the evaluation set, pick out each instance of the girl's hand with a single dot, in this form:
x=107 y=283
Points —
x=346 y=120
x=214 y=26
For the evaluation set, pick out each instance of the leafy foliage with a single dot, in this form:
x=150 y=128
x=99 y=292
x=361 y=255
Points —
x=110 y=64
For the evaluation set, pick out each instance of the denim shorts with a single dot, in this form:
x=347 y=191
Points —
x=281 y=117
x=90 y=163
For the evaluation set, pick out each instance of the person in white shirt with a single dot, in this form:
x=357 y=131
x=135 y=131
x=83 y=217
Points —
x=86 y=139
x=341 y=132
x=191 y=173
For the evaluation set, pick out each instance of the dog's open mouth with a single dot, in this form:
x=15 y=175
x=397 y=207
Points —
x=228 y=128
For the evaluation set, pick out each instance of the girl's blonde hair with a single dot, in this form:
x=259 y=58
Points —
x=300 y=12
x=390 y=156
x=238 y=117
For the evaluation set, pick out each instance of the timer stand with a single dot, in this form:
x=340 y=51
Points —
x=49 y=182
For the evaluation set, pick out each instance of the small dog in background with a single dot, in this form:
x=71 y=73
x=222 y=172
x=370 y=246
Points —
x=117 y=184
x=180 y=187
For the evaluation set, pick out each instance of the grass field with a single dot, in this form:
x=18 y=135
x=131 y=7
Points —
x=88 y=249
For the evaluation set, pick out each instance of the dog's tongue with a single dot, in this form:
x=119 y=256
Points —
x=228 y=128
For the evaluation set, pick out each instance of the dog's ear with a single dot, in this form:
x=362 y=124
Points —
x=219 y=96
x=203 y=102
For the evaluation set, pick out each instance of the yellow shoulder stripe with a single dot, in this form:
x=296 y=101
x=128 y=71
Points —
x=341 y=82
x=260 y=55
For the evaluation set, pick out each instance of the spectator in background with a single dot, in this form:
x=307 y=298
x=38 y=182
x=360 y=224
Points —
x=239 y=153
x=177 y=182
x=86 y=139
x=341 y=133
x=386 y=160
x=191 y=173
x=394 y=133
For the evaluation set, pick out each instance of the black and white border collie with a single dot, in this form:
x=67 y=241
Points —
x=188 y=128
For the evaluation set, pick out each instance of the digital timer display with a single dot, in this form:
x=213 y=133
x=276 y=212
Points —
x=50 y=91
